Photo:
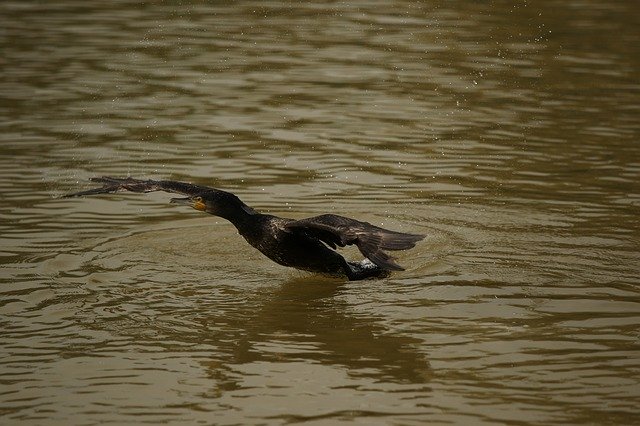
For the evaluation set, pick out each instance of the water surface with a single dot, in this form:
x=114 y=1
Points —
x=508 y=134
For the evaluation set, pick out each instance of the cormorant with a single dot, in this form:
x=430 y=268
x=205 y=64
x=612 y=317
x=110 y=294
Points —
x=303 y=244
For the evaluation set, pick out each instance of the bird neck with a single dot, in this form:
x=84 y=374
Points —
x=236 y=212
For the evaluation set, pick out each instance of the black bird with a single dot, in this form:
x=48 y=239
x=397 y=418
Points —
x=303 y=244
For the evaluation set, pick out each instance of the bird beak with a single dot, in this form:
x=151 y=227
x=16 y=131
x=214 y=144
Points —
x=188 y=201
x=182 y=201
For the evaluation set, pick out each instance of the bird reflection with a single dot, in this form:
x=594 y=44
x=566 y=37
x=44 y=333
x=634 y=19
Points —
x=310 y=313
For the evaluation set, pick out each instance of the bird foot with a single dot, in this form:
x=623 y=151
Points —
x=365 y=269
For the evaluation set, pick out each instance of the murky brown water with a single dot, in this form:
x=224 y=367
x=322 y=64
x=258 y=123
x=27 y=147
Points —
x=509 y=134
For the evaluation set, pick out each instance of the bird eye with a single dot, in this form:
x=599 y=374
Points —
x=198 y=199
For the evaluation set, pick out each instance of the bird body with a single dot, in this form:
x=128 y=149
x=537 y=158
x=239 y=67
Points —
x=271 y=236
x=308 y=244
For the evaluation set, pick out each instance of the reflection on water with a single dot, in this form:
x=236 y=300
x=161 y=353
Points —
x=507 y=134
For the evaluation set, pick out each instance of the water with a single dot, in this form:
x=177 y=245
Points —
x=507 y=133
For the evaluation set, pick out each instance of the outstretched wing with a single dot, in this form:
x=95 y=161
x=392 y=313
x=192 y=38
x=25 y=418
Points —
x=111 y=184
x=371 y=240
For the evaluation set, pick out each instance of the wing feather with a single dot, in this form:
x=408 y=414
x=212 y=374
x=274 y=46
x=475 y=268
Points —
x=111 y=185
x=371 y=240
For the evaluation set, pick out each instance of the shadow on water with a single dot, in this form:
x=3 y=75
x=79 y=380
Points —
x=317 y=325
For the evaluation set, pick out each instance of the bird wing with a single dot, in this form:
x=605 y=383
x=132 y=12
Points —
x=111 y=184
x=371 y=240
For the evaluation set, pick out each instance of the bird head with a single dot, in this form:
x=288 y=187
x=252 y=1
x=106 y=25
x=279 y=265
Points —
x=215 y=202
x=198 y=202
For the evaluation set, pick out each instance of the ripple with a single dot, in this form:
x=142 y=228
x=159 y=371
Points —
x=507 y=135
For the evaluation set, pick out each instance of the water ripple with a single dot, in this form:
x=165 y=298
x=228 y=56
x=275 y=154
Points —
x=507 y=134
